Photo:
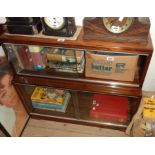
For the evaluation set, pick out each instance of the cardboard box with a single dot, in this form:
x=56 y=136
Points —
x=113 y=66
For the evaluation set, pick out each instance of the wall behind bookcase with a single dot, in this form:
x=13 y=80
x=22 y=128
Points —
x=149 y=83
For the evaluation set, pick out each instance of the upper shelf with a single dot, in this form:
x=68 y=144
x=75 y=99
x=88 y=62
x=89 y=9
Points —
x=79 y=43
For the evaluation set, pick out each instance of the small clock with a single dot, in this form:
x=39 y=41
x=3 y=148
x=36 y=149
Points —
x=55 y=23
x=59 y=26
x=117 y=29
x=117 y=24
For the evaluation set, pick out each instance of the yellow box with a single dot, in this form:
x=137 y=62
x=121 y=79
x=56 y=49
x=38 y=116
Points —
x=149 y=107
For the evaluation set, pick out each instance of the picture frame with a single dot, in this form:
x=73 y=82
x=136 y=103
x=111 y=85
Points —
x=3 y=132
x=13 y=115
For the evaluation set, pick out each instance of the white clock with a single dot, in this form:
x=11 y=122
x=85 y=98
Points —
x=55 y=23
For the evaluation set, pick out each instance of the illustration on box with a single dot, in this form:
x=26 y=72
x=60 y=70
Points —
x=50 y=99
x=149 y=108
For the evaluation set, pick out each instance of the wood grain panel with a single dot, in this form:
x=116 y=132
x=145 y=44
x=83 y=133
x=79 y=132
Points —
x=79 y=43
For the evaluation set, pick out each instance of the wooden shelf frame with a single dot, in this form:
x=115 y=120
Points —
x=81 y=83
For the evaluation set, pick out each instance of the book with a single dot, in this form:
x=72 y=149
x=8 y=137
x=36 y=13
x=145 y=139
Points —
x=48 y=95
x=23 y=53
x=63 y=108
x=35 y=52
x=149 y=108
x=47 y=105
x=68 y=67
x=109 y=108
x=65 y=55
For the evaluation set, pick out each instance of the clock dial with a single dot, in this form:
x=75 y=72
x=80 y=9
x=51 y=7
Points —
x=55 y=23
x=117 y=24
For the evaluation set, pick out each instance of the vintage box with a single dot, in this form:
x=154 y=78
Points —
x=110 y=108
x=115 y=66
x=149 y=108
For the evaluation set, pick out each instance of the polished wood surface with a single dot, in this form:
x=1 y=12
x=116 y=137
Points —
x=144 y=51
x=137 y=32
x=77 y=111
x=80 y=83
x=79 y=43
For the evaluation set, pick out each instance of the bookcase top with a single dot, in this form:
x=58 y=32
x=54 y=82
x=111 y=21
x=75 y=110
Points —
x=79 y=43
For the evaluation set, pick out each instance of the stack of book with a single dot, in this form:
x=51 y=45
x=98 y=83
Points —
x=29 y=57
x=50 y=99
x=110 y=108
x=38 y=58
x=66 y=60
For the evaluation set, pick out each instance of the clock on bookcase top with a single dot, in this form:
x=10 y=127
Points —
x=117 y=29
x=59 y=26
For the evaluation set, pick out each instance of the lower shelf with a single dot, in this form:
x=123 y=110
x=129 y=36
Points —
x=78 y=110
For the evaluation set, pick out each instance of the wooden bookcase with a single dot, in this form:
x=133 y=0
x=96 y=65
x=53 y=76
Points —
x=81 y=87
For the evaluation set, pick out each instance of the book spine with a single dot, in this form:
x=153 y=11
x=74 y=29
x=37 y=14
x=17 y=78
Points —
x=66 y=56
x=35 y=52
x=52 y=109
x=46 y=101
x=25 y=57
x=45 y=105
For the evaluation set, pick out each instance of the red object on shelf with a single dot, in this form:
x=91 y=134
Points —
x=110 y=108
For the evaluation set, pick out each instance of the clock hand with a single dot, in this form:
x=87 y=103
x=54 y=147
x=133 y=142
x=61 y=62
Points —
x=118 y=21
x=113 y=20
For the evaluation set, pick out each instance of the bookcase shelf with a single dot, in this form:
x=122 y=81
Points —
x=80 y=86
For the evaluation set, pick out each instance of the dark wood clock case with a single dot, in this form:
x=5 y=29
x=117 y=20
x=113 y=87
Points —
x=67 y=30
x=137 y=32
x=23 y=25
x=22 y=20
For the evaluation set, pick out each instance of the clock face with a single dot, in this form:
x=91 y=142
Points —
x=55 y=23
x=117 y=24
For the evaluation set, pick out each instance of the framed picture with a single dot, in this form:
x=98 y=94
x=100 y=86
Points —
x=13 y=115
x=3 y=132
